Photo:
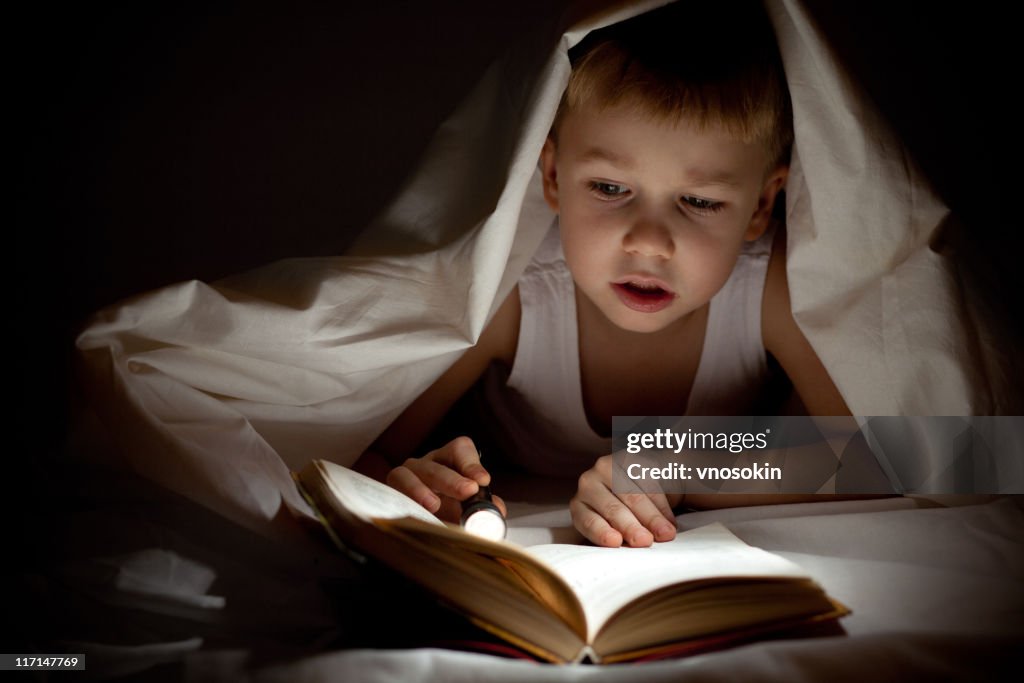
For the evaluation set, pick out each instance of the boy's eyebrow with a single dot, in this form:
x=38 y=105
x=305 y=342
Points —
x=698 y=176
x=601 y=154
x=702 y=176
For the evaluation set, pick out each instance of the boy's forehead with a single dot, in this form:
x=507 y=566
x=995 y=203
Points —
x=626 y=138
x=622 y=119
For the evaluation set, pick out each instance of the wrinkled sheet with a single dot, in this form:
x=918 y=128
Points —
x=167 y=590
x=217 y=390
x=935 y=592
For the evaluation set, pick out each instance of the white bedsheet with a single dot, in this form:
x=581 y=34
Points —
x=934 y=592
x=217 y=390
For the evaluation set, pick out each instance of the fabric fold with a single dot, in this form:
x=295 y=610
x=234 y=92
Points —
x=218 y=390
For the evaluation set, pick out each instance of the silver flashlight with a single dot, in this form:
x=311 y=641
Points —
x=481 y=517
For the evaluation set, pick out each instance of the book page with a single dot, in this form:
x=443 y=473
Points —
x=368 y=498
x=607 y=579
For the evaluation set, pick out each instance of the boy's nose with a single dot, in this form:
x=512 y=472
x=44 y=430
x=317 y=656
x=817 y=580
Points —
x=649 y=238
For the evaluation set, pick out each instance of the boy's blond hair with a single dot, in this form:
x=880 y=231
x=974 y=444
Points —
x=708 y=63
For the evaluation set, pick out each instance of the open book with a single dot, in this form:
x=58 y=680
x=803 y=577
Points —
x=567 y=603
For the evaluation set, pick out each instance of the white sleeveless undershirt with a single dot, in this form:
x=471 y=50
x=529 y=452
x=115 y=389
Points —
x=537 y=415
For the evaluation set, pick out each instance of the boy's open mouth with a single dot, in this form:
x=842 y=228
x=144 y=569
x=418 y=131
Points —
x=646 y=295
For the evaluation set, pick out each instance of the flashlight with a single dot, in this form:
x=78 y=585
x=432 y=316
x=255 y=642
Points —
x=481 y=517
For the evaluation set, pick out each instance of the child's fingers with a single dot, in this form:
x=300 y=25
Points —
x=651 y=508
x=462 y=456
x=405 y=480
x=653 y=512
x=450 y=510
x=625 y=521
x=593 y=526
x=641 y=518
x=660 y=501
x=441 y=478
x=595 y=493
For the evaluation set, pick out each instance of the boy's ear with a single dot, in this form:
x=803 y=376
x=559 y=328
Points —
x=775 y=181
x=549 y=174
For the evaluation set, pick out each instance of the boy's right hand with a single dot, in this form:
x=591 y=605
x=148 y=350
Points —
x=441 y=479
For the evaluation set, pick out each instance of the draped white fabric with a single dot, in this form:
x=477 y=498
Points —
x=217 y=390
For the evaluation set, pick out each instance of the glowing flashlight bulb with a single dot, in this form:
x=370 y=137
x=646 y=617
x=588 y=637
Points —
x=481 y=517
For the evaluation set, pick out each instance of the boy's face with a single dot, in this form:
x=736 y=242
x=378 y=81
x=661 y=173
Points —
x=653 y=214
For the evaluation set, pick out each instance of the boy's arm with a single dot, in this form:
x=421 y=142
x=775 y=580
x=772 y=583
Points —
x=453 y=471
x=788 y=345
x=813 y=385
x=497 y=343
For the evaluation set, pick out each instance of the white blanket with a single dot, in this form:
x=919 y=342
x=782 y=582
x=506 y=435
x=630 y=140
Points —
x=217 y=390
x=935 y=592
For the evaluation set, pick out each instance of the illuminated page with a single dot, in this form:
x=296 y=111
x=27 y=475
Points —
x=607 y=579
x=368 y=498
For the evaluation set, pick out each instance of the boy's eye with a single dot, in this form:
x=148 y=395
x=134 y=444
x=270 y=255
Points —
x=608 y=190
x=701 y=205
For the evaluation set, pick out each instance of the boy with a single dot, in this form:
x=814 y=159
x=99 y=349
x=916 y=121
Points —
x=663 y=165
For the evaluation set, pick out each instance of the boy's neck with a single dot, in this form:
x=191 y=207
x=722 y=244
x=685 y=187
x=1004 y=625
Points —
x=633 y=373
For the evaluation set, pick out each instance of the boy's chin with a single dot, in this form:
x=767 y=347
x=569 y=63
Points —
x=642 y=323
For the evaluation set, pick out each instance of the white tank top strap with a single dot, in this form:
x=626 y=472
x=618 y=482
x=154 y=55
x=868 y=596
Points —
x=547 y=356
x=543 y=408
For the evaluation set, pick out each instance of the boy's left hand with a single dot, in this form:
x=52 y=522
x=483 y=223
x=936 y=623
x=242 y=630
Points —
x=608 y=518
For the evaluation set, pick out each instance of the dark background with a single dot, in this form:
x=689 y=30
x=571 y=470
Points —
x=162 y=142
